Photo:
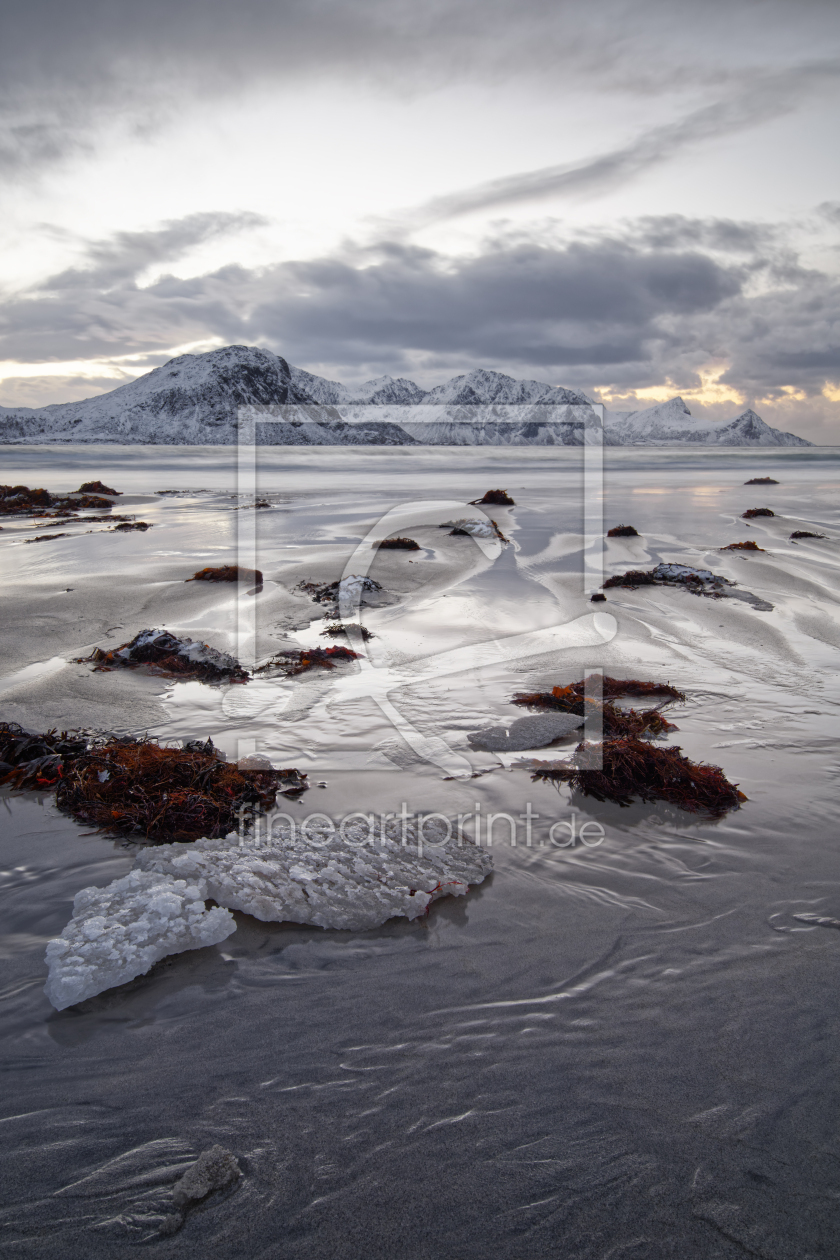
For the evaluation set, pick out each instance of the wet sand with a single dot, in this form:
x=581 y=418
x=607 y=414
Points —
x=624 y=1050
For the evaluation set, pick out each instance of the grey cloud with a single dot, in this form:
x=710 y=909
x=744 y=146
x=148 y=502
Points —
x=66 y=67
x=611 y=313
x=767 y=98
x=126 y=255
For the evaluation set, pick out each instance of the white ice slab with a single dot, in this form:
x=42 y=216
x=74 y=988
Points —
x=120 y=931
x=356 y=881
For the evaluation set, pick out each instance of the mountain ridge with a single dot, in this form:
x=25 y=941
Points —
x=195 y=399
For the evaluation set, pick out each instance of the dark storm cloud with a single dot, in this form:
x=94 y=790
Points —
x=605 y=311
x=66 y=68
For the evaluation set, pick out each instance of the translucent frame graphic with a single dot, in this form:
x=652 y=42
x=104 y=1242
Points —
x=378 y=677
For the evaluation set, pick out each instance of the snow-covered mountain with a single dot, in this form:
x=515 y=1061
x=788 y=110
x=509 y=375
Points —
x=671 y=422
x=196 y=399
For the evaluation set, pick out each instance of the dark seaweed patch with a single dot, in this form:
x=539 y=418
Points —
x=632 y=769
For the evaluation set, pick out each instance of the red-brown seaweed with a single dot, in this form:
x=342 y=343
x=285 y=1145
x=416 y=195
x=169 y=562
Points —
x=616 y=721
x=228 y=573
x=622 y=531
x=632 y=769
x=397 y=544
x=751 y=513
x=292 y=663
x=500 y=498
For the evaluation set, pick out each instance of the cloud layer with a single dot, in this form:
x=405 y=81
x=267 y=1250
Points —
x=616 y=311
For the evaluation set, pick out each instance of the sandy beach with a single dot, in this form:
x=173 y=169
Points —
x=633 y=1038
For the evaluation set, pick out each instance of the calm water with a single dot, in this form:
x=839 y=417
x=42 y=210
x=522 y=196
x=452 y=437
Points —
x=625 y=1051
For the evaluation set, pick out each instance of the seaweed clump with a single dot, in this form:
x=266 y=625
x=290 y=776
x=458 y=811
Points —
x=350 y=628
x=751 y=513
x=96 y=487
x=17 y=500
x=698 y=581
x=397 y=544
x=805 y=533
x=163 y=653
x=749 y=545
x=227 y=573
x=291 y=663
x=126 y=526
x=616 y=722
x=622 y=531
x=348 y=593
x=500 y=498
x=35 y=761
x=761 y=481
x=632 y=769
x=127 y=786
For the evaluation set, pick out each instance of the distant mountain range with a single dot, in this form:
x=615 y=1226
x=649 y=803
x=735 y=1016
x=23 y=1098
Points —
x=196 y=400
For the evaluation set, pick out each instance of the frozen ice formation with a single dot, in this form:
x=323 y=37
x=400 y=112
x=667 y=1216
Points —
x=525 y=732
x=190 y=649
x=476 y=529
x=355 y=880
x=118 y=932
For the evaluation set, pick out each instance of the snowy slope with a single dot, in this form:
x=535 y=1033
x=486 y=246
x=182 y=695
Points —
x=671 y=422
x=195 y=400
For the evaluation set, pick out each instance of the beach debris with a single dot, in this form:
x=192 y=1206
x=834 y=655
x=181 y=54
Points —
x=86 y=520
x=20 y=500
x=130 y=787
x=632 y=769
x=698 y=581
x=615 y=721
x=347 y=595
x=525 y=732
x=35 y=762
x=805 y=533
x=213 y=1170
x=96 y=487
x=351 y=628
x=499 y=498
x=355 y=877
x=761 y=481
x=46 y=537
x=164 y=653
x=597 y=598
x=121 y=931
x=818 y=920
x=749 y=545
x=622 y=531
x=753 y=512
x=474 y=528
x=127 y=526
x=397 y=544
x=228 y=573
x=298 y=662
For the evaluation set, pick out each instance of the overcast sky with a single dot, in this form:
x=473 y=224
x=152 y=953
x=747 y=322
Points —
x=638 y=199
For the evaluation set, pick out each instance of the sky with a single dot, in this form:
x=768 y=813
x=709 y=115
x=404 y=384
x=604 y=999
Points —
x=635 y=199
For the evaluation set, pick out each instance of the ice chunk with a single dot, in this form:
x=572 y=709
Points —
x=356 y=881
x=478 y=529
x=118 y=932
x=526 y=732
